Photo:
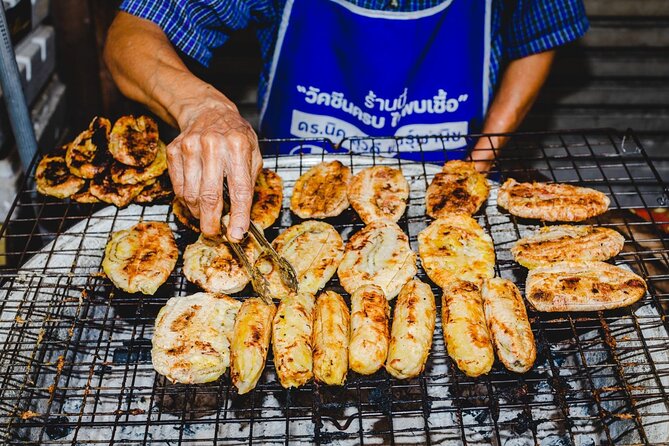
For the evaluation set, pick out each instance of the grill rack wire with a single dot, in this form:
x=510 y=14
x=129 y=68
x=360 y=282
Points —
x=602 y=377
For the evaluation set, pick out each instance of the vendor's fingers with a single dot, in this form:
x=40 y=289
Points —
x=240 y=184
x=192 y=167
x=175 y=167
x=211 y=187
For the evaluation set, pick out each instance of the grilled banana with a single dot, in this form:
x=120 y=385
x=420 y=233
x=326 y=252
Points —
x=250 y=342
x=551 y=202
x=141 y=258
x=53 y=177
x=321 y=191
x=368 y=348
x=378 y=254
x=134 y=141
x=122 y=174
x=330 y=339
x=87 y=156
x=509 y=327
x=379 y=192
x=191 y=341
x=582 y=286
x=457 y=189
x=411 y=334
x=456 y=247
x=291 y=339
x=552 y=244
x=465 y=331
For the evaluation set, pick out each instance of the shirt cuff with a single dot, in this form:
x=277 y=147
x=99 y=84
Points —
x=174 y=24
x=562 y=36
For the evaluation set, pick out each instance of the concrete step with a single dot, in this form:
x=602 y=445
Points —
x=641 y=119
x=625 y=93
x=627 y=33
x=627 y=7
x=581 y=63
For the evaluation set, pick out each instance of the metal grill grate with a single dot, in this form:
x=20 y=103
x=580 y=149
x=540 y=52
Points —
x=75 y=353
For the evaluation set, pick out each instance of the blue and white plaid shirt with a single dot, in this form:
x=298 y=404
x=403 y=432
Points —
x=519 y=27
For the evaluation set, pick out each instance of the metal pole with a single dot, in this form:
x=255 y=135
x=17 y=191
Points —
x=12 y=91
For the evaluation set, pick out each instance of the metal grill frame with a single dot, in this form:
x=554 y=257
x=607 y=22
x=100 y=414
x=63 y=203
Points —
x=612 y=162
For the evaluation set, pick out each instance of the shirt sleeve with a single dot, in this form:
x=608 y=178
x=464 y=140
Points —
x=195 y=27
x=540 y=25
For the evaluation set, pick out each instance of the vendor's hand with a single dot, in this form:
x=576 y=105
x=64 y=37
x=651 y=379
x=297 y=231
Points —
x=484 y=152
x=215 y=143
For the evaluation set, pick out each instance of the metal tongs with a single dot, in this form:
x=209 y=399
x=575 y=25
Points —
x=258 y=280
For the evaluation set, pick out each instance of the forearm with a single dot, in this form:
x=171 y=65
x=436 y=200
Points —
x=519 y=88
x=147 y=69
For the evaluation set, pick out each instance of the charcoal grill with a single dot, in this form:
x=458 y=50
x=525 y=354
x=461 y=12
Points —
x=75 y=363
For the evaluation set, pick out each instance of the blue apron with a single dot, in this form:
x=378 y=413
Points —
x=341 y=71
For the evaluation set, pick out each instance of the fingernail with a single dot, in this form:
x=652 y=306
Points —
x=237 y=233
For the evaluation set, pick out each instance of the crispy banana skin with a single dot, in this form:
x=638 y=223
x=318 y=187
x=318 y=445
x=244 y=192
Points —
x=411 y=334
x=456 y=247
x=379 y=254
x=558 y=243
x=250 y=343
x=321 y=191
x=191 y=340
x=184 y=216
x=551 y=202
x=370 y=337
x=141 y=258
x=379 y=192
x=508 y=324
x=134 y=140
x=53 y=177
x=582 y=286
x=457 y=189
x=291 y=339
x=330 y=340
x=466 y=334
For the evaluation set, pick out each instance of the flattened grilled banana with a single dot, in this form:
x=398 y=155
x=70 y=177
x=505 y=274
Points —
x=134 y=141
x=330 y=339
x=120 y=195
x=250 y=342
x=378 y=254
x=370 y=338
x=582 y=286
x=184 y=216
x=191 y=341
x=159 y=191
x=141 y=258
x=88 y=156
x=267 y=198
x=458 y=188
x=84 y=196
x=321 y=191
x=122 y=174
x=291 y=339
x=53 y=177
x=466 y=334
x=552 y=244
x=456 y=247
x=379 y=192
x=551 y=202
x=313 y=248
x=212 y=265
x=411 y=334
x=509 y=327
